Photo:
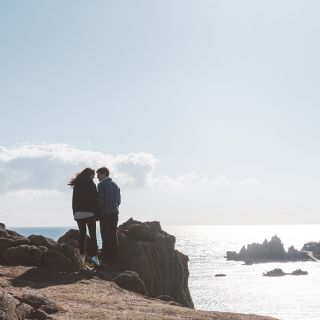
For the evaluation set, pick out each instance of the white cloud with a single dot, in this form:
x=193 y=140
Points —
x=48 y=167
x=33 y=193
x=226 y=181
x=221 y=180
x=183 y=182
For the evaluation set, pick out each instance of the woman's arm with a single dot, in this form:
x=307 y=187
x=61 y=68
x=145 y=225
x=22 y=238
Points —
x=94 y=197
x=100 y=195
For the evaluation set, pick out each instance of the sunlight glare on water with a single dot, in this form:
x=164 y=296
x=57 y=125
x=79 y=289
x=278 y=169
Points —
x=244 y=289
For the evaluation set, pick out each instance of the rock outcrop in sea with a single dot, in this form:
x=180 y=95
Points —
x=268 y=251
x=313 y=247
x=277 y=272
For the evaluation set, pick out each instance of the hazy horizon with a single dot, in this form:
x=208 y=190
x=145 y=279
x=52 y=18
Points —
x=205 y=112
x=171 y=225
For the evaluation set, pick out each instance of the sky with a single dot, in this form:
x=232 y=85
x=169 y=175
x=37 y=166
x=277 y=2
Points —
x=206 y=112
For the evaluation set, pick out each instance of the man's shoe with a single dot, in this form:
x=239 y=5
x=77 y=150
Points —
x=95 y=261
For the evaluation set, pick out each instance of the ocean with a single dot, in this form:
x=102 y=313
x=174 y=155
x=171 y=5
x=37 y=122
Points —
x=244 y=289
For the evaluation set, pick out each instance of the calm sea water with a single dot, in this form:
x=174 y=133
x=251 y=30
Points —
x=244 y=289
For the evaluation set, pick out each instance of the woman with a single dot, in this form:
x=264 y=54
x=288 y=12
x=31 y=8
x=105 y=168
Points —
x=85 y=209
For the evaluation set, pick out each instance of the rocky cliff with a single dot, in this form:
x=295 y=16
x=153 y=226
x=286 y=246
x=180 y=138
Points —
x=148 y=250
x=147 y=261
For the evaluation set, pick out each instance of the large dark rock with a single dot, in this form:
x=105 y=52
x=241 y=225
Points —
x=14 y=233
x=73 y=254
x=39 y=314
x=23 y=255
x=131 y=281
x=38 y=240
x=18 y=241
x=141 y=232
x=148 y=250
x=23 y=311
x=126 y=225
x=74 y=235
x=268 y=251
x=38 y=302
x=8 y=241
x=7 y=306
x=5 y=243
x=3 y=233
x=56 y=261
x=37 y=250
x=71 y=234
x=11 y=308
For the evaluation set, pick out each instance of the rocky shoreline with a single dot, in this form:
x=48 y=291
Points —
x=149 y=280
x=147 y=261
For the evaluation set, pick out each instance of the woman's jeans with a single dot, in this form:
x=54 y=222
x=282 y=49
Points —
x=82 y=224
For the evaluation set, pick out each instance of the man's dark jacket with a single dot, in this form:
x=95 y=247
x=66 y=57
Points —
x=85 y=197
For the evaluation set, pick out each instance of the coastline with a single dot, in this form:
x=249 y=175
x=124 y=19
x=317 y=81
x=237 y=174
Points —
x=82 y=297
x=254 y=295
x=36 y=265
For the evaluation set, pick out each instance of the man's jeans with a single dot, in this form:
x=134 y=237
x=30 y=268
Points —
x=108 y=228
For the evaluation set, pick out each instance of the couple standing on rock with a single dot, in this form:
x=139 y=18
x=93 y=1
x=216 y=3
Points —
x=91 y=203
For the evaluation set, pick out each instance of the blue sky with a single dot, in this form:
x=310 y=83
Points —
x=213 y=105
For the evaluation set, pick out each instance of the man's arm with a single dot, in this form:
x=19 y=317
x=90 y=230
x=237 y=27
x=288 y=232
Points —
x=100 y=195
x=94 y=197
x=119 y=197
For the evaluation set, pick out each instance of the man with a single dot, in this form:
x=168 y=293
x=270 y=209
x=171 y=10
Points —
x=109 y=199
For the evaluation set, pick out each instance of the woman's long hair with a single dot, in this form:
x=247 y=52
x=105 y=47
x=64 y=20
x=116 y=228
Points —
x=84 y=175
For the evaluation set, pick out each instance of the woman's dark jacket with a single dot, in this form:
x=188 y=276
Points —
x=85 y=196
